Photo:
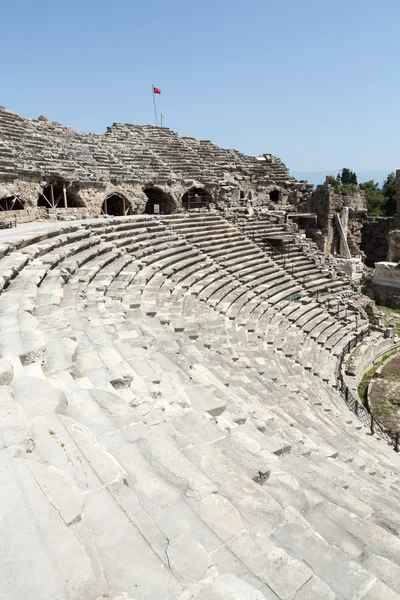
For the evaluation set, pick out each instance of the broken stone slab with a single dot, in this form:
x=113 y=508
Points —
x=208 y=399
x=251 y=500
x=60 y=490
x=36 y=541
x=37 y=397
x=188 y=560
x=167 y=458
x=271 y=564
x=60 y=354
x=219 y=514
x=126 y=556
x=28 y=345
x=74 y=449
x=344 y=576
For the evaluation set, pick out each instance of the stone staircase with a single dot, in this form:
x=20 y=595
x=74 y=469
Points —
x=170 y=424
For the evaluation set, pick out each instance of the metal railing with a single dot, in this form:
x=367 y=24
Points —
x=353 y=401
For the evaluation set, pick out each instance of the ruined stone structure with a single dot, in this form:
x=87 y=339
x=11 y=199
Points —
x=326 y=203
x=177 y=417
x=366 y=235
x=47 y=169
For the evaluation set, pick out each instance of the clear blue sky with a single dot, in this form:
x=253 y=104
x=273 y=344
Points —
x=314 y=82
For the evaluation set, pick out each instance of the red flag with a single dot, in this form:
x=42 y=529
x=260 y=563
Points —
x=156 y=90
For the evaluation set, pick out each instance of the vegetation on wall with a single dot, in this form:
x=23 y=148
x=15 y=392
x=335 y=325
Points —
x=381 y=201
x=374 y=197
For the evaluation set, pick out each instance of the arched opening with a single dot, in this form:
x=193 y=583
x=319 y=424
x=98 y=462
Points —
x=11 y=203
x=274 y=196
x=158 y=202
x=58 y=195
x=116 y=205
x=196 y=198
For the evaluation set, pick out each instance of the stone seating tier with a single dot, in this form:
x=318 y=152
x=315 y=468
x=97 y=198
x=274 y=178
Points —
x=171 y=425
x=126 y=152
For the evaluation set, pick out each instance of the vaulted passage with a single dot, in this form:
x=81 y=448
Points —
x=274 y=195
x=11 y=203
x=58 y=195
x=158 y=202
x=196 y=198
x=116 y=205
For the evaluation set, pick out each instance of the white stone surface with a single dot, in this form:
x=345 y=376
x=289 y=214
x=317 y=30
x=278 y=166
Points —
x=387 y=273
x=166 y=433
x=6 y=372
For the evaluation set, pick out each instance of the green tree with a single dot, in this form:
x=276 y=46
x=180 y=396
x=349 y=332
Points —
x=373 y=196
x=348 y=176
x=389 y=192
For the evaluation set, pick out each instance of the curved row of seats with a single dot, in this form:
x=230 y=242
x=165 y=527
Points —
x=125 y=150
x=173 y=404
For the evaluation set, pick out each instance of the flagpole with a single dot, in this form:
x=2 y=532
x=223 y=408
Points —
x=154 y=102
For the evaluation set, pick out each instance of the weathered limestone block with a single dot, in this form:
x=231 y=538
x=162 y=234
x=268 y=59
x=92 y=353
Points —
x=394 y=245
x=37 y=397
x=60 y=490
x=272 y=565
x=188 y=560
x=128 y=560
x=208 y=398
x=36 y=540
x=23 y=340
x=60 y=354
x=220 y=515
x=387 y=274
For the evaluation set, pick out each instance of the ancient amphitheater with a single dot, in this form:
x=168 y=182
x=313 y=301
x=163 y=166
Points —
x=178 y=415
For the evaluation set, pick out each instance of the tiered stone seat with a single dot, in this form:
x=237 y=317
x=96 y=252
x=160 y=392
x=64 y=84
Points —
x=41 y=147
x=166 y=438
x=300 y=258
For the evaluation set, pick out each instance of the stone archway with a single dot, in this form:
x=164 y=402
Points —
x=274 y=195
x=59 y=195
x=196 y=198
x=116 y=206
x=11 y=203
x=158 y=198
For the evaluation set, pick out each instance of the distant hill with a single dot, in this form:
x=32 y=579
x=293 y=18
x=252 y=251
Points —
x=318 y=177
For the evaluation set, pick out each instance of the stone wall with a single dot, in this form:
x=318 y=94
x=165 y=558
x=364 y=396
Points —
x=385 y=286
x=327 y=203
x=374 y=238
x=394 y=245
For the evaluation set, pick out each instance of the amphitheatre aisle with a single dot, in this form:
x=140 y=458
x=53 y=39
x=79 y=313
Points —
x=171 y=424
